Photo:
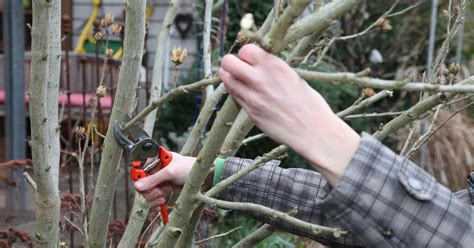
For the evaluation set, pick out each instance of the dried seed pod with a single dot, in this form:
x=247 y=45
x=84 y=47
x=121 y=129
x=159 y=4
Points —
x=98 y=36
x=368 y=92
x=80 y=132
x=454 y=68
x=178 y=55
x=109 y=52
x=101 y=91
x=116 y=28
x=384 y=24
x=242 y=38
x=107 y=20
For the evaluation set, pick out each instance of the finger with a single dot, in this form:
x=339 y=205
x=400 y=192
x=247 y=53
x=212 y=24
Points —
x=232 y=85
x=153 y=194
x=152 y=181
x=157 y=202
x=237 y=68
x=252 y=54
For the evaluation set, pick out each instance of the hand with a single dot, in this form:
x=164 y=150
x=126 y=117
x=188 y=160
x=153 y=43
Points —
x=169 y=179
x=288 y=110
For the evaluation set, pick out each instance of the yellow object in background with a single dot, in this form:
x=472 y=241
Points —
x=86 y=32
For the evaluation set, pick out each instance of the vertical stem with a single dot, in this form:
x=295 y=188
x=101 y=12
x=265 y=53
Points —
x=127 y=83
x=186 y=205
x=207 y=47
x=44 y=88
x=140 y=206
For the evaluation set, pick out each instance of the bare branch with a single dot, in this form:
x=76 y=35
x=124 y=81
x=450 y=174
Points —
x=243 y=206
x=202 y=120
x=274 y=39
x=30 y=180
x=217 y=236
x=127 y=83
x=378 y=83
x=365 y=103
x=44 y=90
x=319 y=20
x=370 y=27
x=170 y=95
x=257 y=163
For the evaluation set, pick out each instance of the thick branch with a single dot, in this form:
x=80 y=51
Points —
x=319 y=20
x=202 y=120
x=275 y=37
x=337 y=77
x=44 y=88
x=243 y=206
x=242 y=126
x=140 y=206
x=186 y=205
x=127 y=83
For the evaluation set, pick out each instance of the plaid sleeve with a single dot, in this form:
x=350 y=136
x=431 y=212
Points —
x=283 y=190
x=387 y=201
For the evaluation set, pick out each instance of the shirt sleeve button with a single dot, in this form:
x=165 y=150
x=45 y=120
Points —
x=415 y=183
x=387 y=233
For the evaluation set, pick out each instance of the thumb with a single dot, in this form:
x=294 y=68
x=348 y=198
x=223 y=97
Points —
x=151 y=181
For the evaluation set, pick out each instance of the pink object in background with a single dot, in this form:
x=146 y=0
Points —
x=77 y=100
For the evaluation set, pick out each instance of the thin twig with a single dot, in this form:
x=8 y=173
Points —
x=365 y=103
x=253 y=138
x=30 y=180
x=423 y=139
x=377 y=22
x=74 y=225
x=183 y=89
x=364 y=115
x=217 y=236
x=378 y=83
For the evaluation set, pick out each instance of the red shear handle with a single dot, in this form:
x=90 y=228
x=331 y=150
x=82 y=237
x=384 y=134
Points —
x=165 y=156
x=137 y=173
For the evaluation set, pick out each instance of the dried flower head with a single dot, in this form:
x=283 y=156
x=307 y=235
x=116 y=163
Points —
x=384 y=24
x=242 y=38
x=454 y=69
x=98 y=36
x=116 y=28
x=109 y=52
x=368 y=92
x=178 y=55
x=446 y=13
x=247 y=21
x=80 y=132
x=107 y=20
x=101 y=91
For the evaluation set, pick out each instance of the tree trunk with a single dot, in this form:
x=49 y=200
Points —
x=124 y=99
x=44 y=90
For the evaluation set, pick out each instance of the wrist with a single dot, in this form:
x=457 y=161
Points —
x=330 y=147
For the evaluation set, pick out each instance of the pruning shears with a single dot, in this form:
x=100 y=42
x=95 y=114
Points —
x=139 y=148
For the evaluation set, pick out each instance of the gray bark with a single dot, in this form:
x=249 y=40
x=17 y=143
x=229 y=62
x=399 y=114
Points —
x=124 y=99
x=44 y=90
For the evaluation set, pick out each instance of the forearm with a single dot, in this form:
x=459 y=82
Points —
x=282 y=190
x=371 y=200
